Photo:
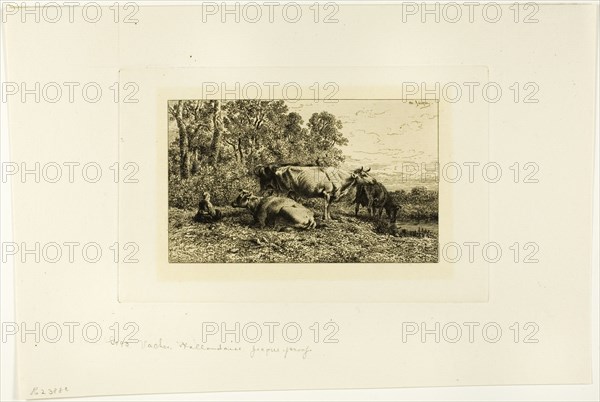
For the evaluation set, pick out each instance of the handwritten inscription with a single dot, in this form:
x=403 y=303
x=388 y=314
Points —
x=40 y=391
x=281 y=351
x=202 y=346
x=252 y=351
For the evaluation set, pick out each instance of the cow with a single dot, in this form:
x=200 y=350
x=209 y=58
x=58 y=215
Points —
x=267 y=210
x=376 y=198
x=324 y=182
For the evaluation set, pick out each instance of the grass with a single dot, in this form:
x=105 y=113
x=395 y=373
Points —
x=347 y=238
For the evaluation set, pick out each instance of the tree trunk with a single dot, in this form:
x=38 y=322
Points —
x=217 y=133
x=240 y=150
x=235 y=152
x=184 y=168
x=194 y=156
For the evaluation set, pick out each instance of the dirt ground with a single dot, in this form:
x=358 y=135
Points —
x=347 y=238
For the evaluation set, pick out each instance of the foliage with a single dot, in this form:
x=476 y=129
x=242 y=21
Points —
x=223 y=185
x=324 y=139
x=419 y=204
x=218 y=144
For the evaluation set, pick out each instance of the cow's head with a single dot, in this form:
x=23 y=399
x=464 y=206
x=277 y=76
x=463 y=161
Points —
x=266 y=177
x=246 y=200
x=361 y=176
x=242 y=199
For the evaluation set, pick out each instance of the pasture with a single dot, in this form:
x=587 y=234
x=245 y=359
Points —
x=346 y=239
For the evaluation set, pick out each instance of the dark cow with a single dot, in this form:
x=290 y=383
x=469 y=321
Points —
x=324 y=182
x=267 y=210
x=376 y=198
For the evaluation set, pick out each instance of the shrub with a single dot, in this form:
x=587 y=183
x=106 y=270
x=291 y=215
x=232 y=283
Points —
x=222 y=184
x=419 y=204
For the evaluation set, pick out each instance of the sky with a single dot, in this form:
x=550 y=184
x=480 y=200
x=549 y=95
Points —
x=385 y=135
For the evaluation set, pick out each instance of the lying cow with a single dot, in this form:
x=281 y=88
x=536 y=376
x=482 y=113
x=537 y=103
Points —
x=324 y=182
x=376 y=198
x=267 y=210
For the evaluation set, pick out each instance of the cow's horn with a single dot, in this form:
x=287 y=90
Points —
x=368 y=170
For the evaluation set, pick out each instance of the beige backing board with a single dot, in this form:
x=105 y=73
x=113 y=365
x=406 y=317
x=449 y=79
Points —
x=523 y=319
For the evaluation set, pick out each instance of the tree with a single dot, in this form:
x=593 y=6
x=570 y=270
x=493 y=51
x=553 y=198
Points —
x=177 y=113
x=325 y=137
x=217 y=127
x=253 y=128
x=195 y=128
x=244 y=133
x=293 y=140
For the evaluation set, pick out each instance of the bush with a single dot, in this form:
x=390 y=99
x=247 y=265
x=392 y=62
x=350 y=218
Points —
x=419 y=204
x=222 y=184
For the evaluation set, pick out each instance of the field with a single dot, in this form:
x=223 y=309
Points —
x=347 y=238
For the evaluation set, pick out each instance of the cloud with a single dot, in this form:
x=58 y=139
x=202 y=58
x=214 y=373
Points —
x=370 y=113
x=356 y=133
x=369 y=153
x=376 y=137
x=405 y=128
x=346 y=119
x=414 y=155
x=371 y=136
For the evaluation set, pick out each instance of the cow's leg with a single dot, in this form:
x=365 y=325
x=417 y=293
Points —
x=392 y=215
x=327 y=198
x=356 y=208
x=329 y=208
x=260 y=219
x=376 y=205
x=370 y=207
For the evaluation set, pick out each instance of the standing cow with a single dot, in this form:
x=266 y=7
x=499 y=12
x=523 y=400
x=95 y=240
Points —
x=376 y=198
x=324 y=182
